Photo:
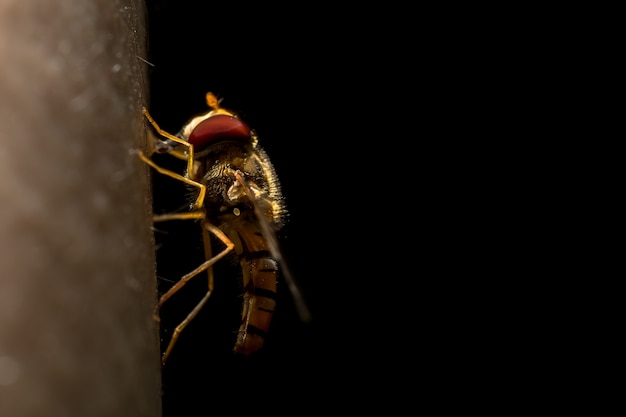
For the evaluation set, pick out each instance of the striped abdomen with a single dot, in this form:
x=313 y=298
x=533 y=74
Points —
x=259 y=298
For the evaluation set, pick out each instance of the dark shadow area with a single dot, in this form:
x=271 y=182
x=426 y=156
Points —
x=373 y=126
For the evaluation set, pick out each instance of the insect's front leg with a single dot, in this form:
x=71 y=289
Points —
x=188 y=157
x=168 y=148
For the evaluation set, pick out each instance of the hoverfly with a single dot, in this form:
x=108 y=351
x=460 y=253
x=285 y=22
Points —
x=238 y=201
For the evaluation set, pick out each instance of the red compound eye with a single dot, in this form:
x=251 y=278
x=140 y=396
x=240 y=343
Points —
x=217 y=128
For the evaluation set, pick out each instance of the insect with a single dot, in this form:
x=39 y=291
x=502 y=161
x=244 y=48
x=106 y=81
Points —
x=238 y=200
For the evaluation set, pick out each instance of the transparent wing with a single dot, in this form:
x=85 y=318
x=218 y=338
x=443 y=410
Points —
x=272 y=242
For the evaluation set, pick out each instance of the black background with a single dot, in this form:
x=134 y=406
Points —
x=364 y=114
x=383 y=126
x=286 y=74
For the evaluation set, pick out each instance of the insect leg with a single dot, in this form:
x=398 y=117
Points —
x=206 y=228
x=205 y=265
x=188 y=157
x=199 y=200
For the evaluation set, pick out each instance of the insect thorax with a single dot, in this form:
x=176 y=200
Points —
x=217 y=171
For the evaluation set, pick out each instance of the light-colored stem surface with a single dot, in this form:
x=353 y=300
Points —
x=77 y=286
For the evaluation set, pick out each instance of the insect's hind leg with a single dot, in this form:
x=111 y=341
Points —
x=184 y=324
x=206 y=228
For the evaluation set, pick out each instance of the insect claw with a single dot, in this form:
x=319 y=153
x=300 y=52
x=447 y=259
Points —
x=164 y=146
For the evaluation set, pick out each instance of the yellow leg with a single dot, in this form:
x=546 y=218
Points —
x=192 y=215
x=199 y=200
x=188 y=157
x=207 y=227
